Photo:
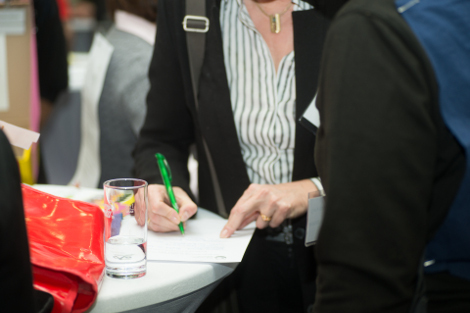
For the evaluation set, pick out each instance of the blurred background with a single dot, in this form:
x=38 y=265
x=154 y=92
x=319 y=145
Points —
x=60 y=118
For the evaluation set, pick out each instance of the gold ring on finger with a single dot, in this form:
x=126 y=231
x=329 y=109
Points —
x=265 y=217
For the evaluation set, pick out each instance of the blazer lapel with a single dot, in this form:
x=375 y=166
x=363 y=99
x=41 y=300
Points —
x=309 y=33
x=215 y=112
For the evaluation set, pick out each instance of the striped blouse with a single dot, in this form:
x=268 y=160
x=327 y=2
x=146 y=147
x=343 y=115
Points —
x=263 y=102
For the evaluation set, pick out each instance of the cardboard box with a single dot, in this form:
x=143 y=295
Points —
x=19 y=69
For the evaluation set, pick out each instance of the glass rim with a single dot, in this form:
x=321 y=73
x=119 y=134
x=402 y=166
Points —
x=109 y=181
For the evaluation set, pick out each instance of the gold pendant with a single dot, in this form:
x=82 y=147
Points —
x=275 y=20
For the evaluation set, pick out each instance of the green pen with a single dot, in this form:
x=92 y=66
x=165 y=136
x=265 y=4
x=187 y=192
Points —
x=166 y=176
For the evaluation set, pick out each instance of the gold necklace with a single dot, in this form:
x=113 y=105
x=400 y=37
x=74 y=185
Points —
x=274 y=19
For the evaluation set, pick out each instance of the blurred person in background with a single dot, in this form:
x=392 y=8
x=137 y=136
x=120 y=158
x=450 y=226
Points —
x=52 y=54
x=52 y=62
x=122 y=104
x=95 y=9
x=252 y=90
x=393 y=153
x=16 y=278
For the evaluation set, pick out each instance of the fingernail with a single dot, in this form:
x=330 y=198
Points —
x=224 y=233
x=185 y=217
x=175 y=220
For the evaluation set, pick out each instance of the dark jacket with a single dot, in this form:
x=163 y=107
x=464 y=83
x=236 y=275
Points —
x=389 y=165
x=16 y=279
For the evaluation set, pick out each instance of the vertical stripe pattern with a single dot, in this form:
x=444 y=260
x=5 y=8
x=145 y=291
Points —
x=263 y=102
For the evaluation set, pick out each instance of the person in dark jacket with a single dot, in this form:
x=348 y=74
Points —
x=255 y=159
x=52 y=55
x=16 y=279
x=393 y=153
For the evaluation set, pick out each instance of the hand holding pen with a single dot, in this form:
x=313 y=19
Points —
x=161 y=215
x=169 y=206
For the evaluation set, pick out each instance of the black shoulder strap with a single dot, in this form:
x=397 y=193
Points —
x=196 y=25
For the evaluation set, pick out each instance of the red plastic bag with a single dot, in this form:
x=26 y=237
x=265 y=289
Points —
x=66 y=245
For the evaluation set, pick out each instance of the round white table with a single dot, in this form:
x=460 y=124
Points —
x=167 y=286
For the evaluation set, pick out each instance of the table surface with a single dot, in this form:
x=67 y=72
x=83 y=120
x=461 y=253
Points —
x=164 y=281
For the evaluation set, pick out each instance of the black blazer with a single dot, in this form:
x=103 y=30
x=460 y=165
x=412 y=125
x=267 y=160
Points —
x=389 y=165
x=173 y=123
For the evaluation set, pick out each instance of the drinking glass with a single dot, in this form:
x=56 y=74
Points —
x=125 y=237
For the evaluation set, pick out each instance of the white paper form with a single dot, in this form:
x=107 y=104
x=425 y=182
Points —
x=88 y=169
x=201 y=242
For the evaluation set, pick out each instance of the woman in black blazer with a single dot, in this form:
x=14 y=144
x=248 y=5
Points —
x=174 y=123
